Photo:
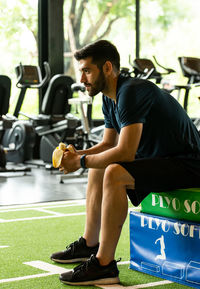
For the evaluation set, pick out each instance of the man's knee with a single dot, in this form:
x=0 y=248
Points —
x=112 y=174
x=115 y=174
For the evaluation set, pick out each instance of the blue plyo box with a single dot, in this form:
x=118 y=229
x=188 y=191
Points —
x=166 y=248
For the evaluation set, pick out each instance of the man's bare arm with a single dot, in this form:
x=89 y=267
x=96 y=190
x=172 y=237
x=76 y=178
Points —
x=110 y=139
x=124 y=151
x=107 y=151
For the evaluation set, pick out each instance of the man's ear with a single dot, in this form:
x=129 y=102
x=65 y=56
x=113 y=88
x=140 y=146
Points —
x=107 y=67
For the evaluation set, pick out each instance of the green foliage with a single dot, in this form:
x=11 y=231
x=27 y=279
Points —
x=18 y=29
x=119 y=8
x=157 y=18
x=166 y=31
x=93 y=19
x=15 y=15
x=170 y=10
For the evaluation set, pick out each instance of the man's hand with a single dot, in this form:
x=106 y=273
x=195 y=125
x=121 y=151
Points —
x=70 y=162
x=58 y=153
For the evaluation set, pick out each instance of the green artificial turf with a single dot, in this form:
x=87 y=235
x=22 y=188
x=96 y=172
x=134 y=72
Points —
x=21 y=214
x=31 y=240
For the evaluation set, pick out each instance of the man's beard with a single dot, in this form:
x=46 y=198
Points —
x=98 y=86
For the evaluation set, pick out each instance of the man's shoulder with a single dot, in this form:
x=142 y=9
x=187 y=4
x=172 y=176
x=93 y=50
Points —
x=133 y=82
x=137 y=87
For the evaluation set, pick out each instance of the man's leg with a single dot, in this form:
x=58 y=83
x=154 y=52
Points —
x=114 y=210
x=93 y=206
x=106 y=211
x=87 y=245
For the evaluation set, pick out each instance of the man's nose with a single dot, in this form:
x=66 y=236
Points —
x=83 y=78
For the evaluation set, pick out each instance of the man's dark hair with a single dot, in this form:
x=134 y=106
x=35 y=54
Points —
x=100 y=51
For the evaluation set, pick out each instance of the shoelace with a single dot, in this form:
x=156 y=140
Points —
x=84 y=265
x=72 y=246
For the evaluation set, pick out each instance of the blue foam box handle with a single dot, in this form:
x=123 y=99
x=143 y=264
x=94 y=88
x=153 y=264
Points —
x=166 y=248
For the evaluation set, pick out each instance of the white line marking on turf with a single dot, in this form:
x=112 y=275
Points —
x=25 y=277
x=52 y=270
x=49 y=212
x=118 y=286
x=42 y=217
x=47 y=267
x=146 y=285
x=123 y=263
x=39 y=205
x=4 y=247
x=53 y=215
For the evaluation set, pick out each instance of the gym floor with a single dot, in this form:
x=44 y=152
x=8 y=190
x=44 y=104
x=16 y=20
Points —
x=33 y=224
x=39 y=185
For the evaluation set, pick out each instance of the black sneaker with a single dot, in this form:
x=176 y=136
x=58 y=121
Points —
x=76 y=252
x=91 y=273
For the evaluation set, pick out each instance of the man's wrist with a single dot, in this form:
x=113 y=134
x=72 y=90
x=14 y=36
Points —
x=83 y=162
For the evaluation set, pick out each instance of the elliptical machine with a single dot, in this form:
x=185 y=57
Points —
x=6 y=124
x=19 y=140
x=54 y=124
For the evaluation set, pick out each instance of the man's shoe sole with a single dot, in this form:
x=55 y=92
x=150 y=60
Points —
x=106 y=281
x=70 y=261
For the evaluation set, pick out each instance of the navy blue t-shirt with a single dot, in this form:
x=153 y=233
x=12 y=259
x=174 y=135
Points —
x=167 y=129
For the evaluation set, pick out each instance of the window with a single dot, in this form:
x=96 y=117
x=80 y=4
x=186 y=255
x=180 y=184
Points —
x=167 y=31
x=18 y=29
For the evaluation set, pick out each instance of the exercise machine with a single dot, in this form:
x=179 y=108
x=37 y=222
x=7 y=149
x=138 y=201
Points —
x=5 y=87
x=29 y=76
x=5 y=124
x=19 y=140
x=145 y=68
x=55 y=123
x=142 y=67
x=34 y=137
x=190 y=67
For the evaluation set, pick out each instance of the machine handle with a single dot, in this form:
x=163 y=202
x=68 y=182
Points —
x=78 y=87
x=47 y=74
x=169 y=70
x=41 y=83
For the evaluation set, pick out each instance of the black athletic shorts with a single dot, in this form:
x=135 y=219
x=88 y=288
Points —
x=160 y=175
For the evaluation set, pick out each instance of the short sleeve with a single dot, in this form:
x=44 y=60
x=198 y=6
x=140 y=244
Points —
x=105 y=110
x=135 y=103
